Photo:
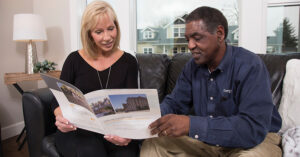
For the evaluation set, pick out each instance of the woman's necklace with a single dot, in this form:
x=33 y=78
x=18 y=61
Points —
x=100 y=82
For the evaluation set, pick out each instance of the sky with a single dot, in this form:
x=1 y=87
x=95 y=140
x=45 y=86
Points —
x=151 y=12
x=276 y=15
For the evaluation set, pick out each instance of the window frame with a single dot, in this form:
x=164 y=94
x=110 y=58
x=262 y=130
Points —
x=148 y=50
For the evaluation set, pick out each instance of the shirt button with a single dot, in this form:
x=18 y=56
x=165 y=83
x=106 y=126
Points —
x=196 y=136
x=211 y=79
x=211 y=98
x=211 y=116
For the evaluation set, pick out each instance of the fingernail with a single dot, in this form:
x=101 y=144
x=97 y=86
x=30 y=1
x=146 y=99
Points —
x=105 y=136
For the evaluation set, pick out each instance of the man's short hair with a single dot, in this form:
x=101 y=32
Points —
x=211 y=17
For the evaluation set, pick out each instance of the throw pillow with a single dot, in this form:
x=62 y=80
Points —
x=289 y=108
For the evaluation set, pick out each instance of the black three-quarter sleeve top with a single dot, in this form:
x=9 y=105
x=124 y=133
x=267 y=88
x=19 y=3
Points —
x=123 y=74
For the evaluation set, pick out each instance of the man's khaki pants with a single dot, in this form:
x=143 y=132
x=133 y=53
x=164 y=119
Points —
x=188 y=147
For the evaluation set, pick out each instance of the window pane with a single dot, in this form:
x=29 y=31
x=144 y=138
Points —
x=283 y=29
x=166 y=22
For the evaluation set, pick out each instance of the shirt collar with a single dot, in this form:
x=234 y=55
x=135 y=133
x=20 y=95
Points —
x=226 y=60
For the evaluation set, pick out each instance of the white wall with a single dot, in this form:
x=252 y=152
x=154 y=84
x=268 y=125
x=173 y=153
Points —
x=56 y=15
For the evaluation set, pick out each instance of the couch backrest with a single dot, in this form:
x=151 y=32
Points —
x=276 y=64
x=153 y=70
x=157 y=71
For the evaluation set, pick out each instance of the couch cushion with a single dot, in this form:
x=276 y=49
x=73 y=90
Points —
x=176 y=66
x=153 y=70
x=290 y=102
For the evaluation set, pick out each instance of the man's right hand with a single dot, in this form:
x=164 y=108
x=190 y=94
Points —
x=62 y=124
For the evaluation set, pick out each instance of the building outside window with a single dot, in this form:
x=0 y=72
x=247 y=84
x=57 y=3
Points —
x=167 y=23
x=283 y=27
x=148 y=50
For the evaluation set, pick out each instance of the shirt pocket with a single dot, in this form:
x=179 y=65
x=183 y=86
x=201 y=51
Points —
x=227 y=105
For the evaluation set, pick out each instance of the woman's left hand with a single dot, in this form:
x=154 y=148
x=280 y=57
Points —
x=119 y=141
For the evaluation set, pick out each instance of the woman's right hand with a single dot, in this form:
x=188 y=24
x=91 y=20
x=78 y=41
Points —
x=62 y=124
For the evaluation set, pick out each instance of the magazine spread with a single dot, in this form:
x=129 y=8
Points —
x=123 y=112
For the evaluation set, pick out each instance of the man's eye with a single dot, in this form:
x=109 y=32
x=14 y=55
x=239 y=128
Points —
x=198 y=38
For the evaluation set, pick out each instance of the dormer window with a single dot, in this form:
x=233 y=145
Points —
x=148 y=35
x=178 y=32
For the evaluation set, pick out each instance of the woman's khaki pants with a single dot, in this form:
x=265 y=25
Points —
x=188 y=147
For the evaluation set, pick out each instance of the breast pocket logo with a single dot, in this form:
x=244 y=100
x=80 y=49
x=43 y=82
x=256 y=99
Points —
x=227 y=91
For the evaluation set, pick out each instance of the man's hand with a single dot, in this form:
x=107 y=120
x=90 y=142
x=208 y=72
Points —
x=171 y=125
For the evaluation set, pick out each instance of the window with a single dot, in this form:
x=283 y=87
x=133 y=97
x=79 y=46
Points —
x=175 y=50
x=179 y=32
x=283 y=27
x=167 y=18
x=148 y=35
x=176 y=32
x=147 y=50
x=182 y=50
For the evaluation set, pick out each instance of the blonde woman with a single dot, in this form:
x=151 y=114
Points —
x=99 y=65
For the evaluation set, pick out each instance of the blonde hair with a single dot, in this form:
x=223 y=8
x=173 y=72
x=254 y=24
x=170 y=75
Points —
x=93 y=12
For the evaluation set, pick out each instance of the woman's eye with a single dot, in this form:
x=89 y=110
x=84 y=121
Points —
x=98 y=32
x=111 y=28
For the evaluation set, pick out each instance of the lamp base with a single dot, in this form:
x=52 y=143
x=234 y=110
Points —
x=31 y=57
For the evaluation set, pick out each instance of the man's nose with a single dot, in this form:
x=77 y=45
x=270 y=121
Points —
x=191 y=44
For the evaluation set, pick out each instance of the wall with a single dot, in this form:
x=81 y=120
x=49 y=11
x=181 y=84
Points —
x=12 y=60
x=56 y=15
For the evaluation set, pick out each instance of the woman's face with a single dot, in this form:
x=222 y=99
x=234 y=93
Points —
x=104 y=34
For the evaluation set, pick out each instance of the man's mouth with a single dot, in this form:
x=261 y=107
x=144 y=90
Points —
x=197 y=54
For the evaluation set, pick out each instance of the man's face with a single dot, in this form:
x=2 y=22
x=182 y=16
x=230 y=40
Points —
x=203 y=45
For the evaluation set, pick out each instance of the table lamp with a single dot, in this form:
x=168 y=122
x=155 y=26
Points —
x=29 y=28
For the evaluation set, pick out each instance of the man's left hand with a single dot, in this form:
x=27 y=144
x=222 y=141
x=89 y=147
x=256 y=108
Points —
x=171 y=125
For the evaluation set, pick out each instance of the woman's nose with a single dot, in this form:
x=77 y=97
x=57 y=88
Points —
x=106 y=35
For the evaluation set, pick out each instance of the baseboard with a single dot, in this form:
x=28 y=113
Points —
x=11 y=130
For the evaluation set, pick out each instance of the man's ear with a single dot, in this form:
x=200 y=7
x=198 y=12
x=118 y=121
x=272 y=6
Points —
x=220 y=33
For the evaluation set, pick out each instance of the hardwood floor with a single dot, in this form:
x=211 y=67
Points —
x=10 y=148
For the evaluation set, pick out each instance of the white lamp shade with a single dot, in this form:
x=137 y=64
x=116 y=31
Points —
x=29 y=27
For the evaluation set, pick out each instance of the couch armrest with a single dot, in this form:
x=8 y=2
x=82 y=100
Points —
x=38 y=117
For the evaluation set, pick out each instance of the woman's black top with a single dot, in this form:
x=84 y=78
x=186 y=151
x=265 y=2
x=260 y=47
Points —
x=123 y=74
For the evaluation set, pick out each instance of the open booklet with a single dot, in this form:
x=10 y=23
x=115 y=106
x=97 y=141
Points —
x=123 y=112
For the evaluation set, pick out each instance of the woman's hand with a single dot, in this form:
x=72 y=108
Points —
x=119 y=141
x=62 y=124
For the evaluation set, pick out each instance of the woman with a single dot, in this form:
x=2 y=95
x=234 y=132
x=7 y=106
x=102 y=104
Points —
x=99 y=65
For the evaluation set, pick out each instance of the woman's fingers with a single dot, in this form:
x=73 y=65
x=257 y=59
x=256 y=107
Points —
x=117 y=140
x=63 y=124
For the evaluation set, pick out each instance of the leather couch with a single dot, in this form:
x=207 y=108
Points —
x=156 y=71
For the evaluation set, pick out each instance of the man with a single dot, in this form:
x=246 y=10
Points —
x=229 y=89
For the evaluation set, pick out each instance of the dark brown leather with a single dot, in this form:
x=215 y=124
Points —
x=176 y=65
x=276 y=64
x=153 y=70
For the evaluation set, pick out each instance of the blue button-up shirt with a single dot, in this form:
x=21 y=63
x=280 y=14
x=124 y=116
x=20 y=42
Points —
x=232 y=104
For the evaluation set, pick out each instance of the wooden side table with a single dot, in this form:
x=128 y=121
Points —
x=15 y=78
